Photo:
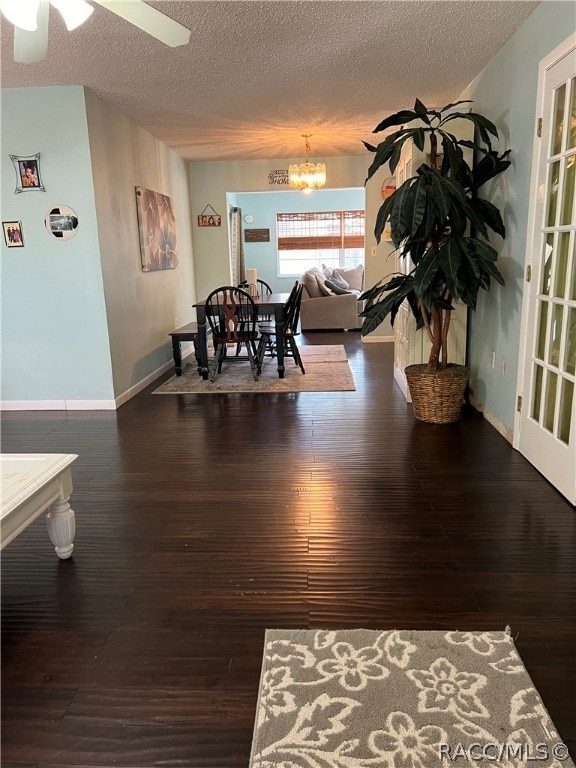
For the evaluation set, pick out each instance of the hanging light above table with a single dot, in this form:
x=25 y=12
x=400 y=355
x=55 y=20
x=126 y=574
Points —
x=307 y=176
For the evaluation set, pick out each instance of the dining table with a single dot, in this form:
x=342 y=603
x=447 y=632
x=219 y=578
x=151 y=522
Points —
x=272 y=305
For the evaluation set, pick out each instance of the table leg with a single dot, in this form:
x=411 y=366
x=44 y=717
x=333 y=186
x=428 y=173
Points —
x=279 y=322
x=201 y=346
x=61 y=527
x=177 y=355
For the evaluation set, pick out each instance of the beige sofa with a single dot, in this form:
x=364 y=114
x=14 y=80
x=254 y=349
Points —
x=324 y=309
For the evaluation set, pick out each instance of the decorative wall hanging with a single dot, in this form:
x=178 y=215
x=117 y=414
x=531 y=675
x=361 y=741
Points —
x=209 y=218
x=157 y=230
x=256 y=235
x=13 y=236
x=27 y=173
x=279 y=176
x=62 y=222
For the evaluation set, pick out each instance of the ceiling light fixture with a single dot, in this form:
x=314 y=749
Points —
x=307 y=176
x=21 y=13
x=74 y=12
x=24 y=13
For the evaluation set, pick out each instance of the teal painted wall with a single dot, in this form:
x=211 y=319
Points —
x=264 y=206
x=505 y=91
x=54 y=333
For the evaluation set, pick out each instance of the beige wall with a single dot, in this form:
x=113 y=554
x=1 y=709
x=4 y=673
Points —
x=141 y=307
x=210 y=181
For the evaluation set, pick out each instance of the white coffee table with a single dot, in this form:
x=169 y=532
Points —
x=33 y=483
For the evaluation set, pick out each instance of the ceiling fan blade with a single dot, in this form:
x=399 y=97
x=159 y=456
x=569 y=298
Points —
x=31 y=47
x=150 y=20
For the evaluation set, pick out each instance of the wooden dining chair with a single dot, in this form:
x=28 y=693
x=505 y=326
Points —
x=290 y=329
x=263 y=288
x=232 y=317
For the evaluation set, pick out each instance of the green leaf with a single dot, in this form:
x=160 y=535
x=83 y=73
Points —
x=398 y=118
x=401 y=198
x=455 y=104
x=453 y=157
x=449 y=257
x=385 y=150
x=382 y=216
x=490 y=166
x=377 y=313
x=483 y=125
x=490 y=214
x=370 y=147
x=419 y=137
x=440 y=195
x=426 y=271
x=484 y=251
x=494 y=272
x=415 y=308
x=418 y=206
x=395 y=156
x=422 y=112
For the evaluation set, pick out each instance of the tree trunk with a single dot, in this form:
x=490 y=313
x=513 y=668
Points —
x=434 y=358
x=445 y=329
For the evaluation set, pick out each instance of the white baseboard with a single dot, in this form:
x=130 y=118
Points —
x=57 y=405
x=90 y=405
x=134 y=390
x=493 y=420
x=376 y=339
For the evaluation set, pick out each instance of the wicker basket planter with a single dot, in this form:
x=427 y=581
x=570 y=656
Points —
x=437 y=396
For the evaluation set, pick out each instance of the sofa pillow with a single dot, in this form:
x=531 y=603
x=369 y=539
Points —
x=339 y=281
x=311 y=284
x=322 y=287
x=337 y=287
x=354 y=277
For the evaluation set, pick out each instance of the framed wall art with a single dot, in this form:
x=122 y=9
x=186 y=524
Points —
x=209 y=218
x=157 y=230
x=27 y=169
x=13 y=236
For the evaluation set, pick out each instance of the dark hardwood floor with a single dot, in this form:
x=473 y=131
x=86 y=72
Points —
x=202 y=520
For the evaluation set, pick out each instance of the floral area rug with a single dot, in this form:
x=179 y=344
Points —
x=327 y=370
x=399 y=699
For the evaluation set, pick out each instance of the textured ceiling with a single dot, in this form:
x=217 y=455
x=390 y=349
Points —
x=256 y=74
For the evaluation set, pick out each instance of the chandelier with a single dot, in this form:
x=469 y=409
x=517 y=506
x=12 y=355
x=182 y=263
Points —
x=307 y=176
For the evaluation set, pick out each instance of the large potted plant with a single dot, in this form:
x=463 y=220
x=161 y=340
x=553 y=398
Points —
x=441 y=228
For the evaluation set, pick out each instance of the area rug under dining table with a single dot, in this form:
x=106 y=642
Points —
x=399 y=699
x=327 y=370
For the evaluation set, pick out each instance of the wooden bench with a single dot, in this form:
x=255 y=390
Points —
x=185 y=333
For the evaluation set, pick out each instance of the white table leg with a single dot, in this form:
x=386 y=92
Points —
x=61 y=527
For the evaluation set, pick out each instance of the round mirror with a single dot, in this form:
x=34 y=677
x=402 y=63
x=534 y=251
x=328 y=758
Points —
x=62 y=222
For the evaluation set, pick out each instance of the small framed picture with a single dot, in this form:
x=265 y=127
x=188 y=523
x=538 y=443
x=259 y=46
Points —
x=13 y=236
x=28 y=177
x=211 y=220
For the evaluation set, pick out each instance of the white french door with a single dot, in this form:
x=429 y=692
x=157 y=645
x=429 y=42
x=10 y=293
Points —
x=546 y=422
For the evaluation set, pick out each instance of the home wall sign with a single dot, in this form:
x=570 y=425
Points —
x=27 y=169
x=209 y=218
x=279 y=176
x=256 y=235
x=62 y=222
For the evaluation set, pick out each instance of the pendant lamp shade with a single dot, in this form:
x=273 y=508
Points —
x=307 y=176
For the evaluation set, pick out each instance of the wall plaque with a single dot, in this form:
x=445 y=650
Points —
x=278 y=176
x=256 y=235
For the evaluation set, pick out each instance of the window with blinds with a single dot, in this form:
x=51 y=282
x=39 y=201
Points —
x=332 y=238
